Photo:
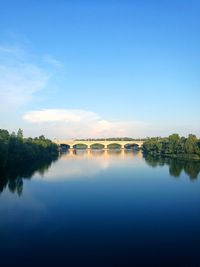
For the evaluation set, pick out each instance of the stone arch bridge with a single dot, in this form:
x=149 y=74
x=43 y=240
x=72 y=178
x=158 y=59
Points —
x=72 y=143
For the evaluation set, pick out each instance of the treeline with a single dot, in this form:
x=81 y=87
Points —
x=174 y=146
x=15 y=149
x=112 y=139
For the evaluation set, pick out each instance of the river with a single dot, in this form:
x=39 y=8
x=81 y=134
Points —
x=101 y=208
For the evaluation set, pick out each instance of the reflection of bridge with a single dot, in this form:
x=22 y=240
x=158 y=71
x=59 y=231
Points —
x=122 y=144
x=101 y=153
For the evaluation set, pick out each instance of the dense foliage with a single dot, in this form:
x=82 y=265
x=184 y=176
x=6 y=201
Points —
x=174 y=146
x=14 y=149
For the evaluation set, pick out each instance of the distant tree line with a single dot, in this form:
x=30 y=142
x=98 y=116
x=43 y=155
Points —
x=15 y=149
x=174 y=146
x=112 y=139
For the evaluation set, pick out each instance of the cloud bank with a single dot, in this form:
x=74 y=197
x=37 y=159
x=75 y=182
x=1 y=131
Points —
x=75 y=123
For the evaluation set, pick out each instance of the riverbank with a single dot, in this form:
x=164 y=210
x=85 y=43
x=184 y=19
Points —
x=15 y=149
x=173 y=146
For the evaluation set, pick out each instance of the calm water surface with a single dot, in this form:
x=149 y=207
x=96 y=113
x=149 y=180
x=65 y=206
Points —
x=102 y=208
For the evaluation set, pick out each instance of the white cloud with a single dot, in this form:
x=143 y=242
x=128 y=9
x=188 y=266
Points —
x=52 y=61
x=9 y=50
x=20 y=77
x=62 y=115
x=19 y=83
x=69 y=123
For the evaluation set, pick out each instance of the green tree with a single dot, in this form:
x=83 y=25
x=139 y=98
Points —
x=191 y=145
x=4 y=135
x=173 y=146
x=173 y=143
x=20 y=134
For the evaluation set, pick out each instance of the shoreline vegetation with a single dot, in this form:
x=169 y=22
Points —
x=21 y=157
x=173 y=146
x=16 y=150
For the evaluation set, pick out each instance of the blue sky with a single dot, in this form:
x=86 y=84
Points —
x=71 y=69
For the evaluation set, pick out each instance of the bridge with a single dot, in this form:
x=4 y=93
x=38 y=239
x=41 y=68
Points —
x=71 y=144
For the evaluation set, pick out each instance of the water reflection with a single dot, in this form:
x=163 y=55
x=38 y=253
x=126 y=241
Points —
x=176 y=166
x=87 y=164
x=13 y=176
x=125 y=214
x=94 y=152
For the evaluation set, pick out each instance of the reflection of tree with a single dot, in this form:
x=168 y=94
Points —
x=192 y=169
x=12 y=176
x=16 y=185
x=176 y=166
x=154 y=161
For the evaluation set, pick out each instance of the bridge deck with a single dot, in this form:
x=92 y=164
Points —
x=72 y=143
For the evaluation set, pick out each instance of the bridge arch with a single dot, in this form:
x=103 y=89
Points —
x=80 y=145
x=131 y=145
x=97 y=145
x=114 y=146
x=64 y=147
